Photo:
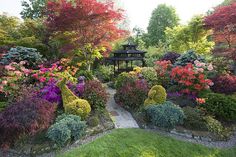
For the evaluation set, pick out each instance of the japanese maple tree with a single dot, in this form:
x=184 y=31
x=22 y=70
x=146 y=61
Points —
x=85 y=22
x=223 y=22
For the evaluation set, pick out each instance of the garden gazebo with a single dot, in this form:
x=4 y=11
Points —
x=129 y=54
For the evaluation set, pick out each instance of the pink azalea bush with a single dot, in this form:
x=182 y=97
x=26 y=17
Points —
x=15 y=74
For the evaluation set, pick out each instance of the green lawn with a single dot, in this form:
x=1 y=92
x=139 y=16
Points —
x=141 y=143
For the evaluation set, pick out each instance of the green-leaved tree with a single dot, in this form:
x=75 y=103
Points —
x=192 y=36
x=163 y=16
x=33 y=9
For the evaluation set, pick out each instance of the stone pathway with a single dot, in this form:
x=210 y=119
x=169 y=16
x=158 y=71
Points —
x=120 y=117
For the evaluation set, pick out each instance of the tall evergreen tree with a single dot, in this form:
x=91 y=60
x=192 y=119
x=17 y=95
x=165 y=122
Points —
x=163 y=16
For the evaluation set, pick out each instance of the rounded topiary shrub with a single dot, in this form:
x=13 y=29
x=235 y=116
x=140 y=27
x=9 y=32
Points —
x=166 y=115
x=132 y=95
x=224 y=84
x=156 y=95
x=214 y=126
x=221 y=106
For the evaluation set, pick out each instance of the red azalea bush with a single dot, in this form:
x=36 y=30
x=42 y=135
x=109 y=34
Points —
x=96 y=94
x=163 y=69
x=132 y=94
x=224 y=84
x=191 y=79
x=26 y=117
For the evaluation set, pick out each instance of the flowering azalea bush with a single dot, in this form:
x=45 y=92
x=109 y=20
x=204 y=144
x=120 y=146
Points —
x=46 y=74
x=51 y=92
x=163 y=69
x=200 y=100
x=191 y=78
x=14 y=75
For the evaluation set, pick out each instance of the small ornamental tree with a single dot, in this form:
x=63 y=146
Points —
x=86 y=21
x=223 y=22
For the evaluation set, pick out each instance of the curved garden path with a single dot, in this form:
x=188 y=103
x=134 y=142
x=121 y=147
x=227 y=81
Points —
x=120 y=117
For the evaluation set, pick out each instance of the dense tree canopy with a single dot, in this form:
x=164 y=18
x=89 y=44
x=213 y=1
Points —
x=227 y=2
x=29 y=33
x=88 y=21
x=33 y=9
x=163 y=16
x=8 y=29
x=223 y=22
x=193 y=36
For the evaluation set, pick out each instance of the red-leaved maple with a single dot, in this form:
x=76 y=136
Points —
x=223 y=22
x=87 y=21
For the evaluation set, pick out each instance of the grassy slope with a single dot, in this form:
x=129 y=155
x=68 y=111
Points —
x=141 y=143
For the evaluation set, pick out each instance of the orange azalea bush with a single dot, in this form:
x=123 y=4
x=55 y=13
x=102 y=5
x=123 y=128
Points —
x=191 y=78
x=200 y=100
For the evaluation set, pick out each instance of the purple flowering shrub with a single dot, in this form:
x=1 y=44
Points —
x=132 y=94
x=51 y=93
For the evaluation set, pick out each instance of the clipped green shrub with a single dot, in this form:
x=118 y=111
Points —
x=194 y=119
x=71 y=103
x=166 y=115
x=221 y=106
x=150 y=75
x=188 y=57
x=59 y=133
x=93 y=120
x=19 y=53
x=3 y=105
x=123 y=79
x=214 y=126
x=156 y=95
x=104 y=73
x=66 y=128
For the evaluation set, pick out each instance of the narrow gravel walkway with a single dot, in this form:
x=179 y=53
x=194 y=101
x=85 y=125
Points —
x=120 y=117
